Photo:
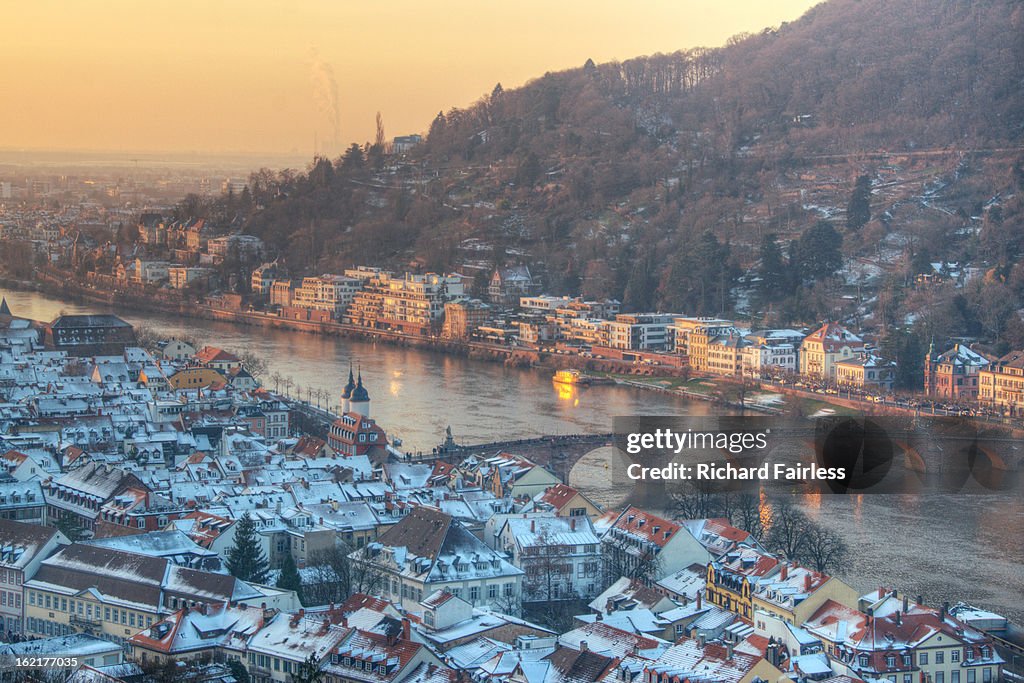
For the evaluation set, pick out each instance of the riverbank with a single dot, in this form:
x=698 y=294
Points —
x=758 y=396
x=59 y=284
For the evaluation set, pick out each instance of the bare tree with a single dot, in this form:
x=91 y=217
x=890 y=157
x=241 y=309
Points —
x=254 y=364
x=823 y=549
x=694 y=500
x=333 y=576
x=548 y=584
x=743 y=509
x=787 y=533
x=622 y=557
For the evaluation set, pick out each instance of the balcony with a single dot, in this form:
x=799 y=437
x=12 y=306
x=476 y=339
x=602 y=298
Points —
x=90 y=623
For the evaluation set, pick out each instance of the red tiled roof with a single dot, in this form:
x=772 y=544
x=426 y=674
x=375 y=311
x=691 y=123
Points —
x=657 y=530
x=722 y=527
x=559 y=495
x=209 y=354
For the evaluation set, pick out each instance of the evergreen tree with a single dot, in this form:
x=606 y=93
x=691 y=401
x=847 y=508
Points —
x=641 y=285
x=246 y=560
x=289 y=578
x=818 y=252
x=238 y=671
x=772 y=270
x=310 y=671
x=858 y=212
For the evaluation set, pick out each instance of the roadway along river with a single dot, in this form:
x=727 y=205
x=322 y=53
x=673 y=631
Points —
x=945 y=547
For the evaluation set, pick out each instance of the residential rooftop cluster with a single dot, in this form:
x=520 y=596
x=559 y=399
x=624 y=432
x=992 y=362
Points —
x=135 y=483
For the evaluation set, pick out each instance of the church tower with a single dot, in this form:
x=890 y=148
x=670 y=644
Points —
x=360 y=399
x=346 y=394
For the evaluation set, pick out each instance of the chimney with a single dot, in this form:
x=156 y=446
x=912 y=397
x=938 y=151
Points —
x=728 y=650
x=701 y=640
x=698 y=600
x=899 y=619
x=920 y=599
x=944 y=611
x=807 y=582
x=572 y=524
x=906 y=603
x=785 y=572
x=881 y=592
x=406 y=629
x=583 y=646
x=533 y=525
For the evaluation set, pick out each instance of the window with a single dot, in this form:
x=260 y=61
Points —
x=922 y=658
x=954 y=656
x=474 y=594
x=890 y=661
x=906 y=678
x=969 y=656
x=940 y=677
x=508 y=589
x=940 y=657
x=986 y=675
x=972 y=675
x=492 y=591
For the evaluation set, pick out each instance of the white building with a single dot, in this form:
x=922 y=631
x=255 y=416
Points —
x=332 y=293
x=429 y=551
x=561 y=556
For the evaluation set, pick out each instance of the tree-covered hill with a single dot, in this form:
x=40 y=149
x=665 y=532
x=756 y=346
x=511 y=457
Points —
x=659 y=179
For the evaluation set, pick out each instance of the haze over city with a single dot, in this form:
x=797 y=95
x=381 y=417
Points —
x=269 y=77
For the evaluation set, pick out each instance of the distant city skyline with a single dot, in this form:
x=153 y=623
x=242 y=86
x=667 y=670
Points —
x=268 y=77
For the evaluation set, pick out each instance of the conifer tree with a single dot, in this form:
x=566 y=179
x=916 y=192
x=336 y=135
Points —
x=289 y=578
x=858 y=212
x=246 y=560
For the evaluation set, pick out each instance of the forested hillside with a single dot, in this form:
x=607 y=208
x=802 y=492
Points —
x=690 y=181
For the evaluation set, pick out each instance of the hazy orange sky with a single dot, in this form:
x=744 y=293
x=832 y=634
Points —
x=232 y=76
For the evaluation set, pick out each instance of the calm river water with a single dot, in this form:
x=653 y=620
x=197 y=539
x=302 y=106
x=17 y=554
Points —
x=945 y=547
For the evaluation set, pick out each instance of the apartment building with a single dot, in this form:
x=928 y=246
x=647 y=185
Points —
x=826 y=346
x=954 y=374
x=1001 y=384
x=331 y=293
x=561 y=556
x=429 y=550
x=23 y=547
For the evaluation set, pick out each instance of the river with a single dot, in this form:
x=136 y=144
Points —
x=414 y=393
x=944 y=547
